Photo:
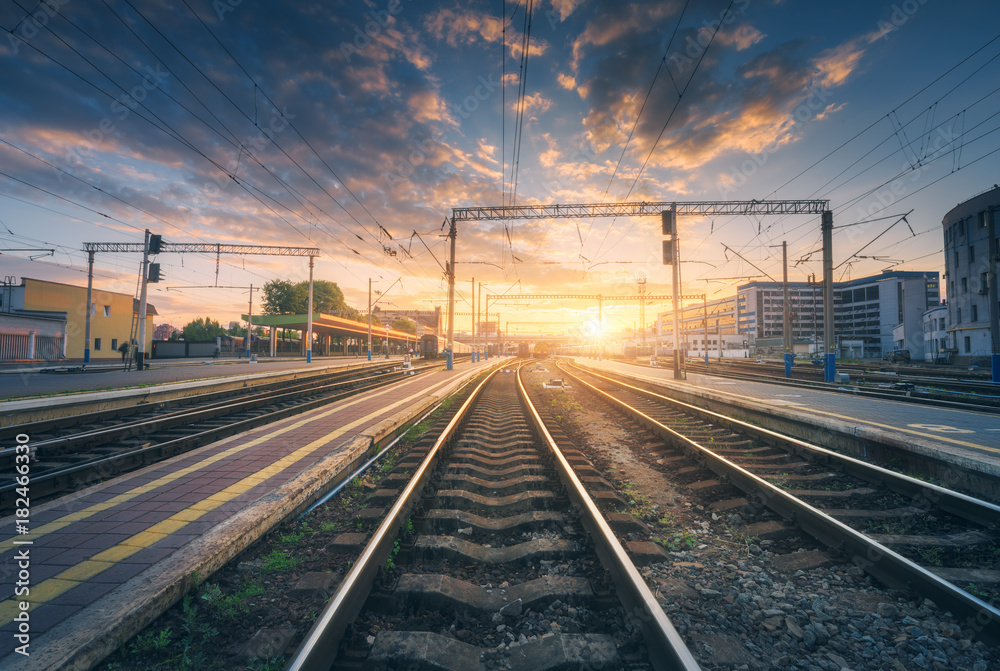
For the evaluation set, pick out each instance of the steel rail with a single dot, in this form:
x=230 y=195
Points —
x=851 y=388
x=962 y=505
x=258 y=397
x=162 y=396
x=319 y=648
x=883 y=564
x=667 y=649
x=50 y=482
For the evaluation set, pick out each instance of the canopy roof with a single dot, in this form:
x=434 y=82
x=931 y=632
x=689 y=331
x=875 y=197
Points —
x=330 y=325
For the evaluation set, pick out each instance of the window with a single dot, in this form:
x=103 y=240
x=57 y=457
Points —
x=956 y=259
x=975 y=313
x=959 y=320
x=97 y=344
x=941 y=324
x=972 y=254
x=965 y=285
x=982 y=220
x=114 y=343
x=968 y=344
x=107 y=310
x=961 y=227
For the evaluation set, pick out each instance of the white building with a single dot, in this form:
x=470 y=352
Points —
x=867 y=311
x=935 y=323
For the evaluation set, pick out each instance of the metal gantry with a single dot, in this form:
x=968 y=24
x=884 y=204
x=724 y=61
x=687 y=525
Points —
x=192 y=248
x=649 y=209
x=641 y=209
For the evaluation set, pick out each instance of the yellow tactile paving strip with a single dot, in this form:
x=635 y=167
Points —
x=47 y=590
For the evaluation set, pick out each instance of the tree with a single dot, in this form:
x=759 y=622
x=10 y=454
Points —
x=281 y=297
x=404 y=325
x=202 y=329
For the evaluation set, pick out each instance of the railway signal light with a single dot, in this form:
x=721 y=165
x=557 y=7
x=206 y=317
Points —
x=155 y=244
x=154 y=273
x=668 y=252
x=669 y=221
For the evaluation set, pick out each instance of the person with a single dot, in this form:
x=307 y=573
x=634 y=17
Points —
x=123 y=348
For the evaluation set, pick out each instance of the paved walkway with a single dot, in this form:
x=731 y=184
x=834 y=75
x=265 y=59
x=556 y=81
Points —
x=33 y=382
x=97 y=561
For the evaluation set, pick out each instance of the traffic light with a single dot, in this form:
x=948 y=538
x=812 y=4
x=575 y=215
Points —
x=154 y=272
x=155 y=244
x=668 y=252
x=669 y=222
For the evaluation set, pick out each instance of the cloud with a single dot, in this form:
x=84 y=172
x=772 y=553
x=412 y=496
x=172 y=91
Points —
x=835 y=65
x=536 y=102
x=755 y=105
x=467 y=27
x=565 y=7
x=742 y=38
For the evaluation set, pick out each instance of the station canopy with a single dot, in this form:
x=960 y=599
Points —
x=329 y=325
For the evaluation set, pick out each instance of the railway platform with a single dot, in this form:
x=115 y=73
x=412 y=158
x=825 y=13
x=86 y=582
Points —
x=35 y=382
x=98 y=565
x=961 y=438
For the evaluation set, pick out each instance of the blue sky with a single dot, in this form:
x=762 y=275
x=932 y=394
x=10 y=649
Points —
x=350 y=125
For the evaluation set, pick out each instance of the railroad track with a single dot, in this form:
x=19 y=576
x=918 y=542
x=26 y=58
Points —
x=949 y=392
x=74 y=451
x=482 y=562
x=908 y=534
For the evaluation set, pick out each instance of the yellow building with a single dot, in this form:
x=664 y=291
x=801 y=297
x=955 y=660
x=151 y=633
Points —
x=47 y=320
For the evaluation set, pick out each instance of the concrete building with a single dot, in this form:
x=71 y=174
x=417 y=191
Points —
x=44 y=320
x=936 y=345
x=967 y=267
x=164 y=331
x=867 y=311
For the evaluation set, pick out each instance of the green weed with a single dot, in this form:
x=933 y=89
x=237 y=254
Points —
x=279 y=562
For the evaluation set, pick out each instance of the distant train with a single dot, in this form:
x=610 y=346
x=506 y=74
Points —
x=429 y=346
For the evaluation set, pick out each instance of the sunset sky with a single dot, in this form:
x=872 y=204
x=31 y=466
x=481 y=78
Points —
x=350 y=125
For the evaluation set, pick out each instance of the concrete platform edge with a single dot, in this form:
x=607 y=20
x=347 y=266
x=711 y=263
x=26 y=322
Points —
x=84 y=640
x=19 y=411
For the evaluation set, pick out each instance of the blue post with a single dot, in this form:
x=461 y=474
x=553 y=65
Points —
x=86 y=354
x=369 y=354
x=309 y=355
x=789 y=359
x=449 y=362
x=996 y=367
x=830 y=371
